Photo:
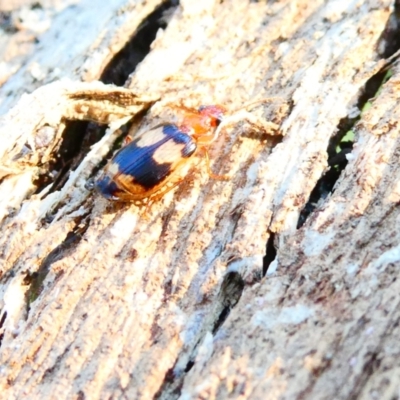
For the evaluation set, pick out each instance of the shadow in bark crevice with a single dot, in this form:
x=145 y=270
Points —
x=341 y=144
x=229 y=294
x=77 y=138
x=270 y=253
x=2 y=321
x=138 y=46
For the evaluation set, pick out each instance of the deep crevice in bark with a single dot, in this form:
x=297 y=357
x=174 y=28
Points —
x=337 y=151
x=229 y=294
x=77 y=139
x=231 y=290
x=270 y=253
x=138 y=46
x=342 y=142
x=2 y=320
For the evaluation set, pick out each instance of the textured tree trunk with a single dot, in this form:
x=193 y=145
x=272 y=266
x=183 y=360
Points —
x=280 y=283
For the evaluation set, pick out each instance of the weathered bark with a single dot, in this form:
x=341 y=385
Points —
x=131 y=303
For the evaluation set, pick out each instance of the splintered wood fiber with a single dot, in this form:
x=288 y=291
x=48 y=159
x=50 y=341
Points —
x=108 y=300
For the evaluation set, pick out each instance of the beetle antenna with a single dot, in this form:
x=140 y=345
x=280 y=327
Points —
x=240 y=114
x=253 y=103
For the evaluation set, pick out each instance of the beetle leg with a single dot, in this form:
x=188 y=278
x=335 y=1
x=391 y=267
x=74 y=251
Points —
x=257 y=123
x=211 y=174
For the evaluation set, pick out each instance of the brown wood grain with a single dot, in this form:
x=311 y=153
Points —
x=130 y=303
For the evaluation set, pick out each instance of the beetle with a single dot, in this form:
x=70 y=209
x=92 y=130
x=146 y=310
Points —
x=150 y=165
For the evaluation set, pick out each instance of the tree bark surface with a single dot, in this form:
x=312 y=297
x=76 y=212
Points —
x=179 y=299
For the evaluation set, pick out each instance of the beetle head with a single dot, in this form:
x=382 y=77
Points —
x=215 y=112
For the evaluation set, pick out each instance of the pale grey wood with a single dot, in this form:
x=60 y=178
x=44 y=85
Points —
x=79 y=43
x=129 y=309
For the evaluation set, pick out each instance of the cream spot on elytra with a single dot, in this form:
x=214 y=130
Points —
x=113 y=169
x=170 y=152
x=151 y=137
